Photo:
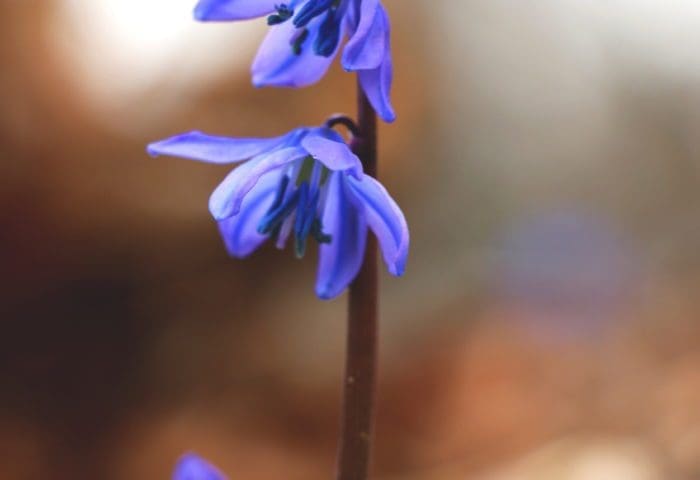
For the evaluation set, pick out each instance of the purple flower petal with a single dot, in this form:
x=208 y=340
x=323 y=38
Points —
x=191 y=467
x=240 y=232
x=328 y=147
x=226 y=200
x=377 y=83
x=220 y=10
x=367 y=46
x=341 y=259
x=211 y=149
x=276 y=64
x=385 y=219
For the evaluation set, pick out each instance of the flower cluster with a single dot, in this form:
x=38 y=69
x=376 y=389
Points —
x=305 y=36
x=307 y=183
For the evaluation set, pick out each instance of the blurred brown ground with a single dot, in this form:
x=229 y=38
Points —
x=547 y=326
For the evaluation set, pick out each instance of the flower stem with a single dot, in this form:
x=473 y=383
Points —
x=361 y=355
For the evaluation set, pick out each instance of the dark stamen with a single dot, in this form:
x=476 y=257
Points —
x=283 y=14
x=275 y=217
x=306 y=216
x=312 y=10
x=279 y=195
x=328 y=35
x=302 y=202
x=298 y=41
x=317 y=232
x=302 y=213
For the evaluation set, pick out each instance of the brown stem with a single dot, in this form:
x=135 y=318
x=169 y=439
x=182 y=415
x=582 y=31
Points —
x=361 y=356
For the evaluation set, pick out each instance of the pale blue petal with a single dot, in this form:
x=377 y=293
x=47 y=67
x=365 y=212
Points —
x=192 y=467
x=276 y=64
x=328 y=147
x=377 y=83
x=220 y=10
x=352 y=8
x=366 y=48
x=385 y=219
x=240 y=232
x=341 y=259
x=213 y=149
x=226 y=200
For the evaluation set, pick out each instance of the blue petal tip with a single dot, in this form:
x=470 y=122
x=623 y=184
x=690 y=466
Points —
x=151 y=150
x=327 y=291
x=201 y=12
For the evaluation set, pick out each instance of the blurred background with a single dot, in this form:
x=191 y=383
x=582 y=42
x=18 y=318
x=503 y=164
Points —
x=547 y=156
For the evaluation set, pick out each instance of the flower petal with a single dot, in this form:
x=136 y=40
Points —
x=240 y=232
x=328 y=147
x=377 y=83
x=212 y=149
x=341 y=259
x=276 y=64
x=192 y=467
x=367 y=47
x=220 y=10
x=226 y=200
x=385 y=219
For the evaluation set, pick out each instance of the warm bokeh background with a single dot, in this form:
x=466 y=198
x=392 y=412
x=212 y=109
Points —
x=547 y=156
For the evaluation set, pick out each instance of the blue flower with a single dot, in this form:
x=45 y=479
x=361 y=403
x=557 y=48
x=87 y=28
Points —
x=307 y=183
x=305 y=36
x=191 y=467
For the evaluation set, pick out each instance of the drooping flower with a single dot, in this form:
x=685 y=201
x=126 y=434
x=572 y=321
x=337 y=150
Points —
x=307 y=183
x=305 y=36
x=192 y=467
